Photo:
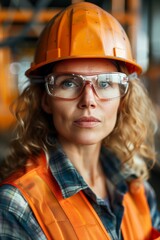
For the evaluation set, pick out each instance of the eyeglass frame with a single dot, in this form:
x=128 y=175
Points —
x=83 y=77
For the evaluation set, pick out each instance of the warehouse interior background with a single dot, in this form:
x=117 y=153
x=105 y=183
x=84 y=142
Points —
x=21 y=22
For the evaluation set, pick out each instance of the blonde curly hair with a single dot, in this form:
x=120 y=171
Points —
x=136 y=126
x=133 y=133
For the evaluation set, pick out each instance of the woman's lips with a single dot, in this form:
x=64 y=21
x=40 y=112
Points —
x=87 y=122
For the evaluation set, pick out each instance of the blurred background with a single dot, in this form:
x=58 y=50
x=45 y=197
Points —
x=21 y=22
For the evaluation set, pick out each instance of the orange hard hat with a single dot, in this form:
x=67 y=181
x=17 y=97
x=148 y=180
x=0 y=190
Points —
x=82 y=30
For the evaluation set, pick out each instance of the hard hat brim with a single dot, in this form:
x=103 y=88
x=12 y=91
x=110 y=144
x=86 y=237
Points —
x=39 y=70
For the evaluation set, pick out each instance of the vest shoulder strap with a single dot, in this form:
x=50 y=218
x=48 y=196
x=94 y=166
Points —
x=136 y=222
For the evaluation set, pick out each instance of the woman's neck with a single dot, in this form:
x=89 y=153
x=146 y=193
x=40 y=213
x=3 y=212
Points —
x=85 y=159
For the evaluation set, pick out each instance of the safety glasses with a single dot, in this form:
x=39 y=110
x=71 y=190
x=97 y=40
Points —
x=106 y=86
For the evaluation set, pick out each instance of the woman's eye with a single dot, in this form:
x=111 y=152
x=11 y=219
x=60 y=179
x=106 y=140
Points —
x=103 y=84
x=69 y=83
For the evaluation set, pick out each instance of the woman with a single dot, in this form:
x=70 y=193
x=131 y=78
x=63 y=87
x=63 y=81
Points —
x=81 y=124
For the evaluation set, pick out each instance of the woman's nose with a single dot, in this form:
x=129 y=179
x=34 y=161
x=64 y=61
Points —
x=88 y=97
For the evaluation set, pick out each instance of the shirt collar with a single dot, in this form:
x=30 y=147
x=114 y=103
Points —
x=71 y=182
x=67 y=177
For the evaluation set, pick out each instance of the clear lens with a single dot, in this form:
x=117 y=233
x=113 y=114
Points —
x=64 y=86
x=111 y=85
x=70 y=86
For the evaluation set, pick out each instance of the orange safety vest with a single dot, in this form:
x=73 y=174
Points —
x=74 y=218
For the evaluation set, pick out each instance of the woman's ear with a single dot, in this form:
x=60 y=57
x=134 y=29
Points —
x=45 y=103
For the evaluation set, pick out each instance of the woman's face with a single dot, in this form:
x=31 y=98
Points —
x=87 y=119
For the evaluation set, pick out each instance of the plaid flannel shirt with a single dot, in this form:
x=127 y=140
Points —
x=18 y=222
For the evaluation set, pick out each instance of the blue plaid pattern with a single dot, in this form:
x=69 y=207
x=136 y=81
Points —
x=18 y=222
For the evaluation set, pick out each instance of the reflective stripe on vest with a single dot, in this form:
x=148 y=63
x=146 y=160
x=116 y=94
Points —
x=74 y=218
